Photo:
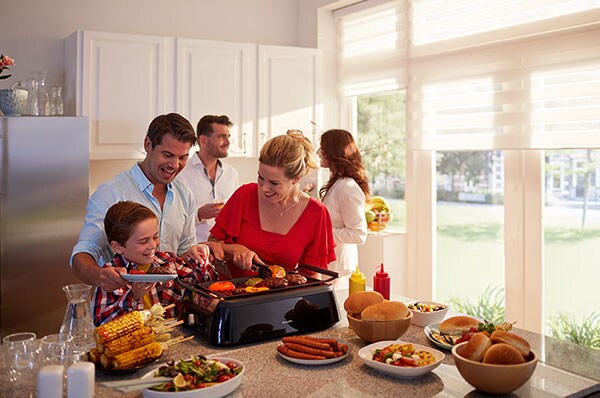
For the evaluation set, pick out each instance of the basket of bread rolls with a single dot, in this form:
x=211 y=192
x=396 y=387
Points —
x=375 y=319
x=495 y=364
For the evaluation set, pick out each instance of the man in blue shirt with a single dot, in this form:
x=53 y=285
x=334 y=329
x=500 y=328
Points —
x=150 y=182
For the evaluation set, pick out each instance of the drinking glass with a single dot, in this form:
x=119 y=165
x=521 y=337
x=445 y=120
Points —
x=21 y=357
x=57 y=350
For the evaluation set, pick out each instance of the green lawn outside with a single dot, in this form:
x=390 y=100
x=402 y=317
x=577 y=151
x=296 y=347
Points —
x=470 y=254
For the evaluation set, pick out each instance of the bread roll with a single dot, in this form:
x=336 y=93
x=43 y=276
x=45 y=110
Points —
x=457 y=325
x=476 y=347
x=503 y=354
x=385 y=311
x=357 y=302
x=518 y=342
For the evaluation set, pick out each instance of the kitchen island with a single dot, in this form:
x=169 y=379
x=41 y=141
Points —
x=564 y=370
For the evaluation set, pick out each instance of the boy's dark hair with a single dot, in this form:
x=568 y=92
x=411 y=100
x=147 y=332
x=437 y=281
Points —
x=205 y=127
x=173 y=123
x=122 y=217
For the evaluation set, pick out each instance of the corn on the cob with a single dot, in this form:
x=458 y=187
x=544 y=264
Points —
x=138 y=356
x=138 y=338
x=94 y=355
x=119 y=327
x=105 y=361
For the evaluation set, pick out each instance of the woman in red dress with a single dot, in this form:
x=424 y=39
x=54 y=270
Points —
x=273 y=221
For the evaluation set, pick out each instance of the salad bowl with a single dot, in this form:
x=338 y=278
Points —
x=213 y=391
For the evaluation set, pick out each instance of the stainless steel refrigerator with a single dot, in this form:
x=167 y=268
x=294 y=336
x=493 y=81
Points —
x=44 y=184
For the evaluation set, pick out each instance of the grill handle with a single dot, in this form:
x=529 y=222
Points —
x=318 y=270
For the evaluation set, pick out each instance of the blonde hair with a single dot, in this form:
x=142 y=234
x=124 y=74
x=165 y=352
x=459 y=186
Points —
x=291 y=151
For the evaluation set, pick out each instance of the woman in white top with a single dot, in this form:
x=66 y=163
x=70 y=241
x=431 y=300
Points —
x=344 y=195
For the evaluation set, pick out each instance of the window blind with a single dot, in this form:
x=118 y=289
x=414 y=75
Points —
x=529 y=94
x=372 y=47
x=439 y=20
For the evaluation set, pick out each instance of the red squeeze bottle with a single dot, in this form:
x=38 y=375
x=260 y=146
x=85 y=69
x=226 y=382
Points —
x=381 y=282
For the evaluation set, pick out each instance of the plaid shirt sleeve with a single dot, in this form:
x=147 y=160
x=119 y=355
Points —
x=107 y=306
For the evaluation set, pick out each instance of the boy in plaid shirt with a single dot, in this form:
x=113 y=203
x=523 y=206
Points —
x=132 y=231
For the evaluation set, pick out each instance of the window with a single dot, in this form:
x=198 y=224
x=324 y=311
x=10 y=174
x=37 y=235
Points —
x=571 y=233
x=469 y=271
x=502 y=130
x=381 y=131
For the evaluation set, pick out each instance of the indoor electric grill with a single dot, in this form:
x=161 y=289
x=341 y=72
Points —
x=228 y=320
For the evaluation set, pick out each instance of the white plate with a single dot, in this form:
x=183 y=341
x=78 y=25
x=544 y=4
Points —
x=148 y=277
x=436 y=326
x=366 y=355
x=216 y=391
x=317 y=361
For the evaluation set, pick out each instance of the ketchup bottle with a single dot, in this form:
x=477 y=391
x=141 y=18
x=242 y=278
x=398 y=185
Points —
x=381 y=282
x=357 y=281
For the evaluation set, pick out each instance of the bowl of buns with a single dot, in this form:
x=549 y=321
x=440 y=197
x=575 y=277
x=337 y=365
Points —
x=427 y=312
x=375 y=319
x=495 y=364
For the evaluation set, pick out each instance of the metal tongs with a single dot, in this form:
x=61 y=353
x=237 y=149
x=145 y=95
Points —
x=263 y=270
x=219 y=266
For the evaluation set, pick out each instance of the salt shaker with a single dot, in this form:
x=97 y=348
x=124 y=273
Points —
x=50 y=381
x=80 y=380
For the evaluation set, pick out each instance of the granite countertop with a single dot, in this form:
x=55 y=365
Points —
x=269 y=374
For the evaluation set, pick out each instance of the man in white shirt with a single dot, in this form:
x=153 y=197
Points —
x=212 y=182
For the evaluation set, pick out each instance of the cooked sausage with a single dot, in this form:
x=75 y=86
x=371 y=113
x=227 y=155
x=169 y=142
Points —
x=322 y=340
x=294 y=354
x=312 y=351
x=307 y=342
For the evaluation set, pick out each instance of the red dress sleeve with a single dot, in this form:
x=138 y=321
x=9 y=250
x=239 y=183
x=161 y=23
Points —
x=229 y=222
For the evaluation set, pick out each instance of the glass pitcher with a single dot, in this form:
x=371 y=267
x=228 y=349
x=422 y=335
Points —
x=43 y=99
x=78 y=318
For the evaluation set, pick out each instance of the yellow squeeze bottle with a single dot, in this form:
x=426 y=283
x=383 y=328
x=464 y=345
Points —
x=358 y=281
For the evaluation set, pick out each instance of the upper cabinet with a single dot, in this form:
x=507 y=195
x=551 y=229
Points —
x=219 y=78
x=288 y=91
x=122 y=81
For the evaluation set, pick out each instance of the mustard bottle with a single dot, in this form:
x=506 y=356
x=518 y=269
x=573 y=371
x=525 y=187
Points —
x=358 y=281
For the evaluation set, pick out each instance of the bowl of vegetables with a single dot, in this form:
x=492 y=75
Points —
x=400 y=358
x=427 y=312
x=197 y=377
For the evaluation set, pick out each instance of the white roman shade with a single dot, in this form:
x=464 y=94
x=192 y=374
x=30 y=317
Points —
x=539 y=91
x=439 y=25
x=372 y=47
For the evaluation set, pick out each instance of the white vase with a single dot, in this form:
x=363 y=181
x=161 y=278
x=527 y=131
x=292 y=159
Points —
x=13 y=101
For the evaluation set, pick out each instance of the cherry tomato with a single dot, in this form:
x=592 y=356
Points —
x=197 y=363
x=223 y=378
x=200 y=385
x=136 y=272
x=231 y=365
x=406 y=361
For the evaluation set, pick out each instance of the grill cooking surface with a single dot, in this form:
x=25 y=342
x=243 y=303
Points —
x=203 y=289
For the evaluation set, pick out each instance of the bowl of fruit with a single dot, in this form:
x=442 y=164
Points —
x=427 y=312
x=377 y=214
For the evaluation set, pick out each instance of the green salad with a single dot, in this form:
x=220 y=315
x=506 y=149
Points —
x=194 y=373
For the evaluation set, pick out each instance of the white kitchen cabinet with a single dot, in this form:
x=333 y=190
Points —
x=288 y=91
x=121 y=82
x=219 y=78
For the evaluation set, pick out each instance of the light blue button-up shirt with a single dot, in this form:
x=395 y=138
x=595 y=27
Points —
x=175 y=220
